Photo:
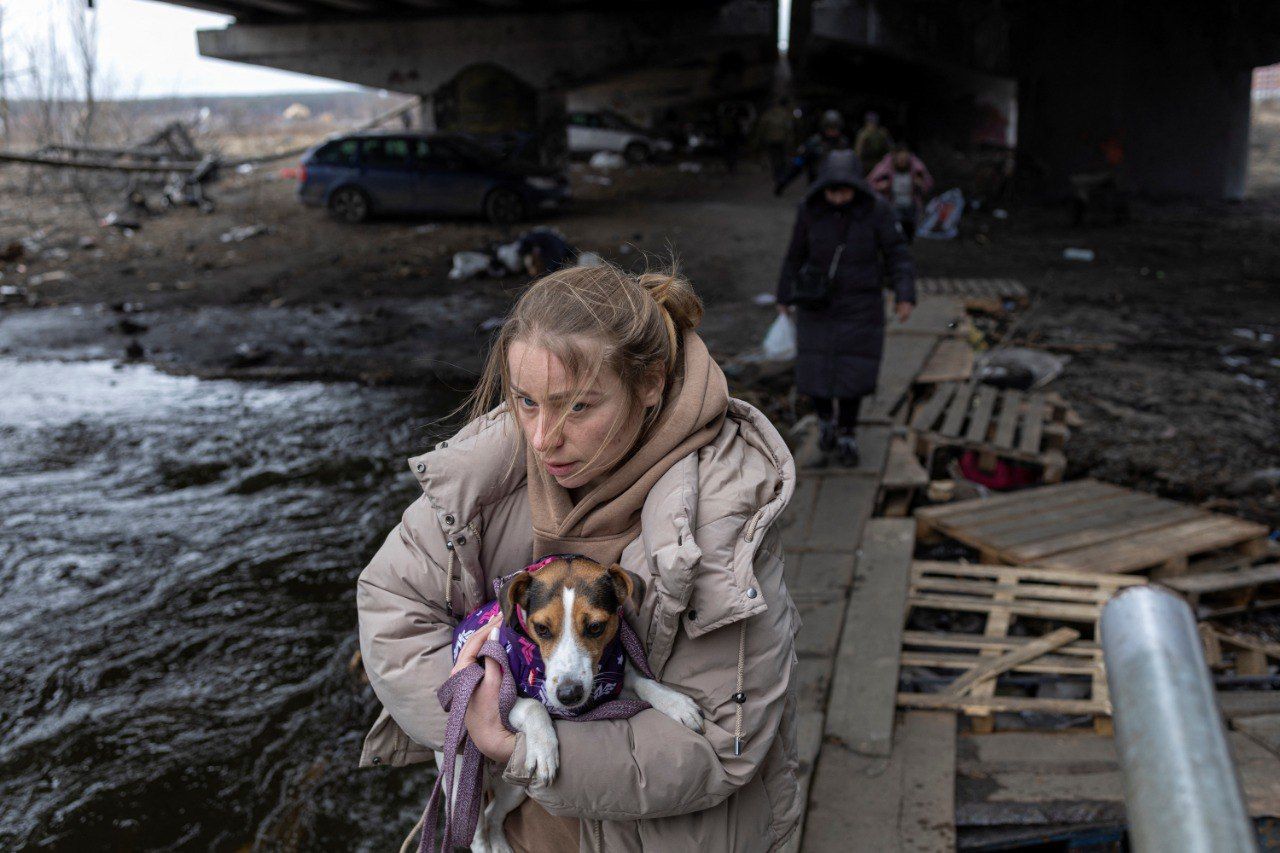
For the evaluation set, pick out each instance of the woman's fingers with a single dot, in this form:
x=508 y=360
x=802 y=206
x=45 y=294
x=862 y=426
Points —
x=470 y=651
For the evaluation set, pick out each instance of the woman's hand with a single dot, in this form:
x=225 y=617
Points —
x=484 y=724
x=903 y=310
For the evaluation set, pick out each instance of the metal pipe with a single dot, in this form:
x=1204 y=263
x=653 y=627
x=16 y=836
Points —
x=1182 y=791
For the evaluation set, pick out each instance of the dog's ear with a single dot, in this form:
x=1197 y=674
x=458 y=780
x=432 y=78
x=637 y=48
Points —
x=627 y=585
x=515 y=593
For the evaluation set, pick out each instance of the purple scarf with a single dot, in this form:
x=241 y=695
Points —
x=523 y=674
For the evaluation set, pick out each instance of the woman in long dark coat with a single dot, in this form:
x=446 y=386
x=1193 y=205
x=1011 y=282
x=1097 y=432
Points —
x=839 y=346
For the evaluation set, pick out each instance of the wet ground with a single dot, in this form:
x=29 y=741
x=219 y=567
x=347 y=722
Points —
x=180 y=531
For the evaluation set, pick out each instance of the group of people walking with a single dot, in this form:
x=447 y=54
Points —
x=850 y=239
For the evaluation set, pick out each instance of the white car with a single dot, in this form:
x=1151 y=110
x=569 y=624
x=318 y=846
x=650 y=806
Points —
x=606 y=131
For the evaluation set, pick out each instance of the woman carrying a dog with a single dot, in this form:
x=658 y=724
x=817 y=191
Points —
x=603 y=427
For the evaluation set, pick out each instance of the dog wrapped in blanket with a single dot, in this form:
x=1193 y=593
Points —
x=566 y=651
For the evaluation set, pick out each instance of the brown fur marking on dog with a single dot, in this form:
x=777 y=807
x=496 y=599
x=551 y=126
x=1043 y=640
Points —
x=598 y=595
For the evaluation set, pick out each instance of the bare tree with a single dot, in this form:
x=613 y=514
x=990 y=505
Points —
x=84 y=39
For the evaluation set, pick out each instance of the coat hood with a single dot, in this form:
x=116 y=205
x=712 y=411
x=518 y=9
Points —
x=840 y=169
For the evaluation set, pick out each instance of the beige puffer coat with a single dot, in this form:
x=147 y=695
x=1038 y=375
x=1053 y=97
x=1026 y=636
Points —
x=716 y=619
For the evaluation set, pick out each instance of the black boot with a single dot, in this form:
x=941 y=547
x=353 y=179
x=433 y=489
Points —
x=826 y=436
x=847 y=450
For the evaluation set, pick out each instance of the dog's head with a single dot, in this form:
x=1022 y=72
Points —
x=571 y=608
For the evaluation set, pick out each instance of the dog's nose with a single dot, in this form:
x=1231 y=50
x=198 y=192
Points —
x=569 y=694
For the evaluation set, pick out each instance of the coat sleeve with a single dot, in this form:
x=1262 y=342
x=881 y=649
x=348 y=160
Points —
x=797 y=254
x=406 y=633
x=650 y=766
x=899 y=267
x=926 y=179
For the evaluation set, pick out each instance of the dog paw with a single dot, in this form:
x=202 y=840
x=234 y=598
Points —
x=678 y=707
x=541 y=756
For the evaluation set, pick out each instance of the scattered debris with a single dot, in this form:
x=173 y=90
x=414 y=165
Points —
x=48 y=278
x=590 y=259
x=764 y=299
x=244 y=232
x=942 y=216
x=691 y=168
x=1074 y=253
x=115 y=219
x=491 y=324
x=12 y=252
x=468 y=265
x=598 y=180
x=429 y=228
x=606 y=160
x=1000 y=213
x=1019 y=367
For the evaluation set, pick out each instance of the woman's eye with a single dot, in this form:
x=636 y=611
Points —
x=527 y=402
x=542 y=631
x=578 y=407
x=594 y=629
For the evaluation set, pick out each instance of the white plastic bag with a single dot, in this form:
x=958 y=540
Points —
x=468 y=265
x=780 y=341
x=942 y=216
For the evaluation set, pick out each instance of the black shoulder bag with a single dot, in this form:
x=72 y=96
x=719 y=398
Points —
x=814 y=287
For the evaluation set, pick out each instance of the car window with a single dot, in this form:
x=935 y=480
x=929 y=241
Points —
x=436 y=154
x=386 y=153
x=338 y=153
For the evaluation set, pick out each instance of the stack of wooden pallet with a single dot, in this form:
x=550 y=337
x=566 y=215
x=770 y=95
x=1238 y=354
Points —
x=1038 y=621
x=999 y=425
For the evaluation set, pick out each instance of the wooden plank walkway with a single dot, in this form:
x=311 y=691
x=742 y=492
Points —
x=846 y=592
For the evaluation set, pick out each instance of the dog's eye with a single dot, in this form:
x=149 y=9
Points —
x=542 y=630
x=594 y=629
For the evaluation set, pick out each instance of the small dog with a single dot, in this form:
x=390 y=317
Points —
x=563 y=615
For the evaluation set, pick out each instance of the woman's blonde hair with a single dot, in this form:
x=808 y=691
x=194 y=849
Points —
x=592 y=319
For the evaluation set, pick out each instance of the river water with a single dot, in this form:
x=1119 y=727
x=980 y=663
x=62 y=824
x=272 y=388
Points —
x=177 y=611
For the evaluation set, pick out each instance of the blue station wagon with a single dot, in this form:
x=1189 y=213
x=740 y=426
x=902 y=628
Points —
x=361 y=175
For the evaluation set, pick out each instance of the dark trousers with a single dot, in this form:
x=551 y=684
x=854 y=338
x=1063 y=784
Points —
x=907 y=219
x=845 y=414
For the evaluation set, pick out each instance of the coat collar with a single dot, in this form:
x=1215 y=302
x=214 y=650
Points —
x=745 y=477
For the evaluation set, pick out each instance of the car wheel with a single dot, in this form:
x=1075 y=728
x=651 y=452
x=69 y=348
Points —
x=503 y=207
x=636 y=153
x=349 y=204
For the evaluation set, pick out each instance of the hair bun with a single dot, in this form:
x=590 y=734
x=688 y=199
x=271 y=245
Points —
x=676 y=298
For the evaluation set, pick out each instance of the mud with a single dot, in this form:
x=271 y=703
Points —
x=179 y=537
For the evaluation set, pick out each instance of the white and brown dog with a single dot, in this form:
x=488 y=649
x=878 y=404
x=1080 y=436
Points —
x=571 y=609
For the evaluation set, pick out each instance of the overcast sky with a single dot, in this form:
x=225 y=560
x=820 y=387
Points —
x=145 y=49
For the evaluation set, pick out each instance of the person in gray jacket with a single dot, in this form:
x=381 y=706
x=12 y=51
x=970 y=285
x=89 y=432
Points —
x=839 y=340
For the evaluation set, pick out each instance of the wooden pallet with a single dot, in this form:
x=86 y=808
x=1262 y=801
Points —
x=1086 y=525
x=903 y=479
x=1213 y=594
x=1072 y=600
x=1225 y=651
x=951 y=361
x=1028 y=428
x=998 y=290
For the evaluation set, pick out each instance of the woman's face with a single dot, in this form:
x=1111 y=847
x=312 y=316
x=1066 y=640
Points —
x=544 y=393
x=838 y=196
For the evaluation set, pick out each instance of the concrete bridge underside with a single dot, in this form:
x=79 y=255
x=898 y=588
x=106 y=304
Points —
x=1162 y=89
